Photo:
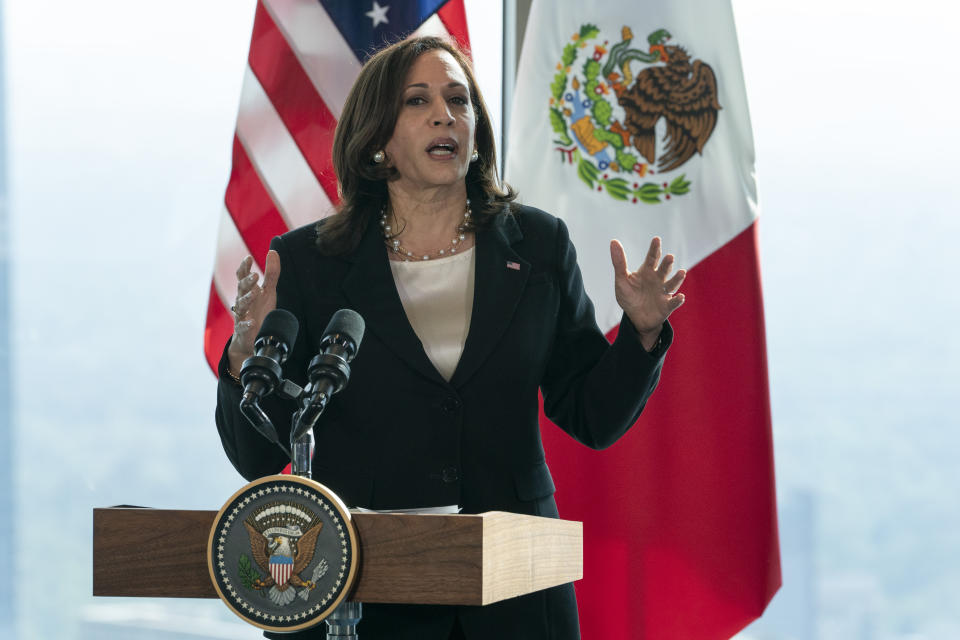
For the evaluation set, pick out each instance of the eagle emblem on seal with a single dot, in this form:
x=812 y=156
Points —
x=606 y=115
x=283 y=537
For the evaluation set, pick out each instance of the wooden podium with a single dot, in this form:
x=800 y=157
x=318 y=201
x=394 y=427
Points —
x=414 y=559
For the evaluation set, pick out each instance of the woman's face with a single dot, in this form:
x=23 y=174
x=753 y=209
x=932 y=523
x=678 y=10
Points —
x=434 y=135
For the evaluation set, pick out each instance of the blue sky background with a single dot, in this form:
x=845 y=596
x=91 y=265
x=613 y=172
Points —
x=120 y=117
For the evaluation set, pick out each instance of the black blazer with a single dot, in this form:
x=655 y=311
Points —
x=400 y=435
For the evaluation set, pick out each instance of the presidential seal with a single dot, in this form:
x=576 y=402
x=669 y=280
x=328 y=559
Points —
x=609 y=100
x=283 y=553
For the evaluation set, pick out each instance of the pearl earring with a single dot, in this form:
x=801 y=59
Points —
x=474 y=156
x=379 y=157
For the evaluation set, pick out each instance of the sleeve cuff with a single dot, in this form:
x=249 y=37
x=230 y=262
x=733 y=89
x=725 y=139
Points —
x=223 y=367
x=629 y=333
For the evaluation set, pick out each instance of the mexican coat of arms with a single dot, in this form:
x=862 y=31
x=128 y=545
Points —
x=605 y=114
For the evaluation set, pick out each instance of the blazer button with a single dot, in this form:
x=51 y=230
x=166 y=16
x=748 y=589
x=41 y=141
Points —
x=451 y=404
x=450 y=475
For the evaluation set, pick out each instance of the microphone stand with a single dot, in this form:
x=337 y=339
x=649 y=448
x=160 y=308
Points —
x=342 y=621
x=301 y=446
x=301 y=462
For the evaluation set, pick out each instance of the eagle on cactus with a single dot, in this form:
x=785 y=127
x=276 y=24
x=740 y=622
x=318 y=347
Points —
x=605 y=114
x=681 y=91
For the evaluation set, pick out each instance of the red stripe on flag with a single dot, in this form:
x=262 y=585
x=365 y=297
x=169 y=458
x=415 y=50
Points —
x=251 y=207
x=219 y=328
x=293 y=95
x=454 y=18
x=689 y=490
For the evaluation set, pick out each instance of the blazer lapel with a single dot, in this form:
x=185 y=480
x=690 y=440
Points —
x=370 y=288
x=501 y=275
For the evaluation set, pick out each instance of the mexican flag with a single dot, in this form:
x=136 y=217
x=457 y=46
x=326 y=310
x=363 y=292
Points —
x=630 y=120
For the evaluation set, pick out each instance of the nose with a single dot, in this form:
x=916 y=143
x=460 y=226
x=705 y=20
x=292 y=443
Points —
x=441 y=115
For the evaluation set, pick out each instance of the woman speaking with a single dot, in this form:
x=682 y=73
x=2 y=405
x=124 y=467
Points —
x=472 y=305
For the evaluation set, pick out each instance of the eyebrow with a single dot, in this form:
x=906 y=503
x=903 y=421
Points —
x=424 y=85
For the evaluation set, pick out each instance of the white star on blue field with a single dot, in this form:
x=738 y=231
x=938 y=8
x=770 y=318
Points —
x=378 y=14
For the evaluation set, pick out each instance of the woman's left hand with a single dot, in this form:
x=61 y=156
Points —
x=646 y=295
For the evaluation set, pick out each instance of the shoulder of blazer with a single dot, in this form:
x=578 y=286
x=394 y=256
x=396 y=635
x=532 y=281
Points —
x=536 y=236
x=301 y=244
x=301 y=238
x=534 y=221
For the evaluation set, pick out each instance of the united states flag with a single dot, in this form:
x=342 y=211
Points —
x=304 y=57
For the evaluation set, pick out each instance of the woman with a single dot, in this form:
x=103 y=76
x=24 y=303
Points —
x=472 y=304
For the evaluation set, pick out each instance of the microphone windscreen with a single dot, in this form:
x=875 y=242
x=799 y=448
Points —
x=346 y=322
x=280 y=324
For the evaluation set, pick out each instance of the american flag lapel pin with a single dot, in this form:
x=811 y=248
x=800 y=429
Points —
x=513 y=265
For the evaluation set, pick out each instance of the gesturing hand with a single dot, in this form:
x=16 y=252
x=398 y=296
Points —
x=253 y=303
x=646 y=295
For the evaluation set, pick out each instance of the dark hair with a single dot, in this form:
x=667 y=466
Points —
x=366 y=125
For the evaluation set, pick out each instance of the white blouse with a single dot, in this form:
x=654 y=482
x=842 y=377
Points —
x=437 y=296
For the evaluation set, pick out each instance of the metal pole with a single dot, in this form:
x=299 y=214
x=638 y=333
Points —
x=508 y=76
x=301 y=460
x=515 y=13
x=342 y=623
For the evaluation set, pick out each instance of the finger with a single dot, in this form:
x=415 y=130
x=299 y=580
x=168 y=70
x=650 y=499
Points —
x=244 y=267
x=272 y=271
x=239 y=307
x=671 y=285
x=653 y=254
x=675 y=302
x=247 y=283
x=619 y=258
x=242 y=304
x=666 y=266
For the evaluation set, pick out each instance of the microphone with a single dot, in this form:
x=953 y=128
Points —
x=330 y=370
x=261 y=372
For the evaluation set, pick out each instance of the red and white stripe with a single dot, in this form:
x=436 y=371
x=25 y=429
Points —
x=280 y=572
x=299 y=72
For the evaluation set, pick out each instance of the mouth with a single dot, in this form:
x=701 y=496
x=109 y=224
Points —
x=442 y=148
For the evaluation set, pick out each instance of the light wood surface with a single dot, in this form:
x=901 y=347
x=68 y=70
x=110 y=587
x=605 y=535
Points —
x=523 y=554
x=426 y=559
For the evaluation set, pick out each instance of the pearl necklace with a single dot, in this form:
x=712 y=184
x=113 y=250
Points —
x=407 y=255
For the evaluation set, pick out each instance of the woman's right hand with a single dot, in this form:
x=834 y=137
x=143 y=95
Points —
x=253 y=303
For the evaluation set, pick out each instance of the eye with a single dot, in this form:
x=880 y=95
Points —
x=415 y=100
x=460 y=100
